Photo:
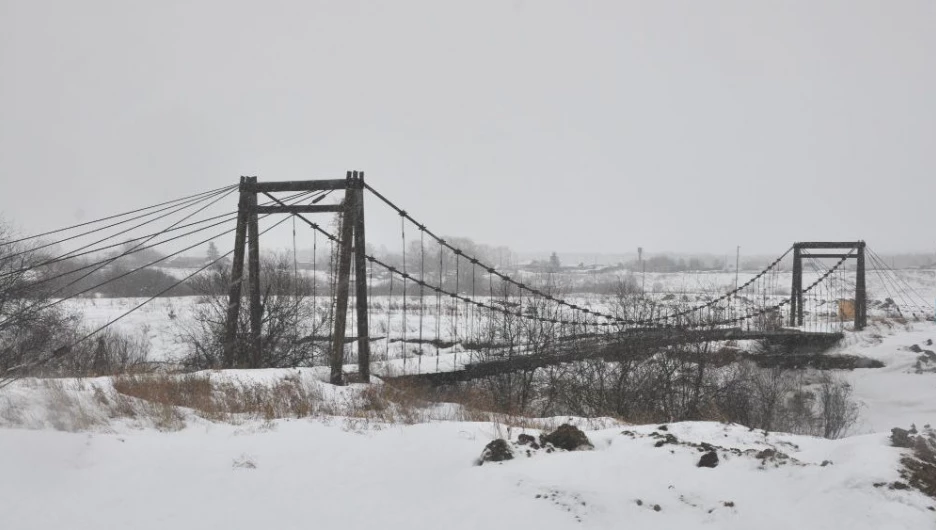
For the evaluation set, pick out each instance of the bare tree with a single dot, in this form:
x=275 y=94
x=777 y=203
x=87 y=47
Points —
x=292 y=323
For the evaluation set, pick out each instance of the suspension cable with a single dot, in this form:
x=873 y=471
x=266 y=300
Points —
x=115 y=278
x=138 y=245
x=175 y=208
x=115 y=216
x=229 y=216
x=65 y=349
x=901 y=279
x=586 y=311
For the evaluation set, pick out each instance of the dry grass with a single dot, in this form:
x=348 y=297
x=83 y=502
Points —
x=66 y=412
x=289 y=397
x=223 y=400
x=169 y=401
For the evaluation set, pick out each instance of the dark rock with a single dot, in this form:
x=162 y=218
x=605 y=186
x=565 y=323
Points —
x=825 y=463
x=766 y=453
x=656 y=507
x=773 y=456
x=901 y=438
x=915 y=348
x=709 y=459
x=864 y=362
x=639 y=502
x=567 y=437
x=526 y=439
x=662 y=428
x=929 y=342
x=496 y=451
x=919 y=468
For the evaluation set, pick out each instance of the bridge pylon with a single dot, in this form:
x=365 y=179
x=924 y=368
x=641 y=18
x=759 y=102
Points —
x=853 y=250
x=246 y=241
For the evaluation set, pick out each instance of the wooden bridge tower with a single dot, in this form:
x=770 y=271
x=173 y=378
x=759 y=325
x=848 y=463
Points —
x=351 y=237
x=853 y=250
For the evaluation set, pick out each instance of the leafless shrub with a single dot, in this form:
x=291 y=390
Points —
x=837 y=410
x=38 y=338
x=110 y=352
x=292 y=325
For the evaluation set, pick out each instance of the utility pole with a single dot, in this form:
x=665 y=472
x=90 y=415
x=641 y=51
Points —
x=737 y=263
x=643 y=270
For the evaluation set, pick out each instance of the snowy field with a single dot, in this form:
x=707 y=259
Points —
x=72 y=459
x=159 y=320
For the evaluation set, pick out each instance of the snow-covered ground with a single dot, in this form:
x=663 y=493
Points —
x=314 y=473
x=74 y=456
x=897 y=394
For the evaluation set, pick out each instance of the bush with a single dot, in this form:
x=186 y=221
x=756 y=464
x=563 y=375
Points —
x=292 y=329
x=838 y=411
x=38 y=340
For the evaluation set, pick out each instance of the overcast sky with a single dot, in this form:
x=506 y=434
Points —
x=575 y=126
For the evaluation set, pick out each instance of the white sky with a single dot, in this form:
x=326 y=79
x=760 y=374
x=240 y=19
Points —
x=575 y=126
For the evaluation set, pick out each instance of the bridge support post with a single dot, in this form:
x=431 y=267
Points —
x=796 y=290
x=342 y=286
x=861 y=296
x=229 y=359
x=253 y=277
x=360 y=278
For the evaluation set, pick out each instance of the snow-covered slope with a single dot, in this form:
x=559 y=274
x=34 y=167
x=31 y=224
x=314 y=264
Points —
x=302 y=474
x=898 y=394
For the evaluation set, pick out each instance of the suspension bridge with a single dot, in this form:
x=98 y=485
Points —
x=438 y=311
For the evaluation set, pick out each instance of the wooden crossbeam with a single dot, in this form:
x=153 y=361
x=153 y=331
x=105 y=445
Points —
x=299 y=185
x=830 y=256
x=302 y=208
x=829 y=244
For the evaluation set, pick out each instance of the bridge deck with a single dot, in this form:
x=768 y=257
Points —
x=609 y=348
